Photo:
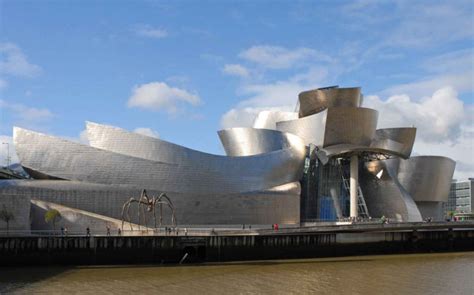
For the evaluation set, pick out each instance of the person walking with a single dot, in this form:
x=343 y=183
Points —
x=108 y=230
x=88 y=232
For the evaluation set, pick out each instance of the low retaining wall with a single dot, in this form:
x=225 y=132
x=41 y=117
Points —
x=172 y=249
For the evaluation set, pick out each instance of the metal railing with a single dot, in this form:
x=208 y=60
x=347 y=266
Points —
x=178 y=231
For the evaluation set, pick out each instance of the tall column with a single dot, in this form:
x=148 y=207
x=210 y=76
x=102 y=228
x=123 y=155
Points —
x=354 y=183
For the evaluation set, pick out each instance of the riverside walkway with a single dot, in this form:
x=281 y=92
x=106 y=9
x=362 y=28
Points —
x=212 y=245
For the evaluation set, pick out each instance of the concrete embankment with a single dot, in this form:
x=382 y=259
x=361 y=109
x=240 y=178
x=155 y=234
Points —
x=307 y=242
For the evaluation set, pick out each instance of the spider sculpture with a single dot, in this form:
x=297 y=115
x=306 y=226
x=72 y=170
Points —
x=147 y=204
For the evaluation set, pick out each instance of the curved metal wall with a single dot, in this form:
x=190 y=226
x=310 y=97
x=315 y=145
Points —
x=252 y=141
x=338 y=125
x=311 y=129
x=404 y=136
x=68 y=160
x=382 y=147
x=350 y=125
x=132 y=144
x=427 y=178
x=277 y=205
x=315 y=101
x=384 y=195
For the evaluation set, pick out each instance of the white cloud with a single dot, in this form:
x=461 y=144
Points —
x=15 y=63
x=438 y=118
x=462 y=152
x=236 y=70
x=240 y=117
x=159 y=96
x=445 y=125
x=277 y=96
x=7 y=149
x=26 y=113
x=83 y=138
x=276 y=57
x=150 y=32
x=460 y=81
x=147 y=132
x=453 y=68
x=283 y=92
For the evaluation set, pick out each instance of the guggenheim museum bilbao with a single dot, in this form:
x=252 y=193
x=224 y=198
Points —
x=326 y=161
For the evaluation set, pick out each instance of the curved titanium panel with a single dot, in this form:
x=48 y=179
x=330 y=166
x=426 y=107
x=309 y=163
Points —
x=268 y=119
x=75 y=220
x=252 y=141
x=427 y=178
x=68 y=160
x=338 y=125
x=405 y=136
x=258 y=141
x=384 y=195
x=277 y=205
x=387 y=147
x=311 y=129
x=315 y=101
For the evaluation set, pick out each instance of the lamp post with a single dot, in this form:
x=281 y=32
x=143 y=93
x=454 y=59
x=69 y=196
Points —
x=8 y=153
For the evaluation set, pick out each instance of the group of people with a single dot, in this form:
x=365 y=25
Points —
x=119 y=231
x=169 y=230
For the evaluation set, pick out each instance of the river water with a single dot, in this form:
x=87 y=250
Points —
x=395 y=274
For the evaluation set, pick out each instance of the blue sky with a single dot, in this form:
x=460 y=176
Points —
x=186 y=69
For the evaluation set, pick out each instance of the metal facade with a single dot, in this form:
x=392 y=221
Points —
x=252 y=141
x=72 y=161
x=257 y=182
x=314 y=101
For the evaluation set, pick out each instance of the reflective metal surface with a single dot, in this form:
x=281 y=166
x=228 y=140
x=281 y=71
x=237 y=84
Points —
x=337 y=125
x=251 y=141
x=383 y=193
x=386 y=147
x=132 y=144
x=427 y=178
x=317 y=100
x=258 y=182
x=404 y=136
x=276 y=205
x=75 y=220
x=68 y=160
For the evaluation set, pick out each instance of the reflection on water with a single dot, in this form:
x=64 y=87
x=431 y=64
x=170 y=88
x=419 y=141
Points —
x=397 y=274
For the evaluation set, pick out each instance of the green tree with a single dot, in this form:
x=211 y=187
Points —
x=6 y=216
x=52 y=216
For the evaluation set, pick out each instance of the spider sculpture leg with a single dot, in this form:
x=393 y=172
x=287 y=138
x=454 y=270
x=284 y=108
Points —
x=126 y=206
x=154 y=211
x=128 y=213
x=168 y=202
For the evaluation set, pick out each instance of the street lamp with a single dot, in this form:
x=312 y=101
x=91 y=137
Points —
x=8 y=153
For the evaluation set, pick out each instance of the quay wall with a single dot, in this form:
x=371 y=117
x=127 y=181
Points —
x=82 y=250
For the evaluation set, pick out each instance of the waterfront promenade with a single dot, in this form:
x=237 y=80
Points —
x=225 y=244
